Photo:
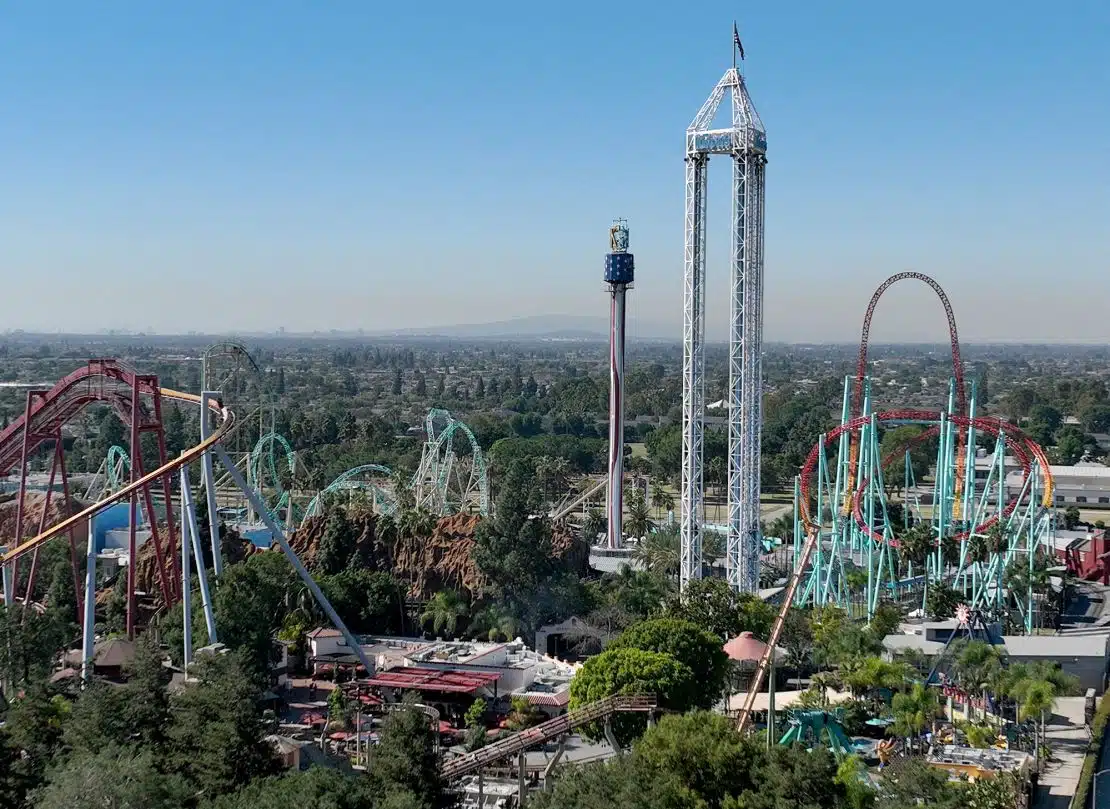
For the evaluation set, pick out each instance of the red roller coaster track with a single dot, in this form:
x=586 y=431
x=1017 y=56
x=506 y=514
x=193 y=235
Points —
x=861 y=374
x=137 y=399
x=953 y=336
x=1024 y=449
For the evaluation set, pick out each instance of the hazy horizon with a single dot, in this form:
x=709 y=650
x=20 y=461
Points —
x=505 y=329
x=233 y=169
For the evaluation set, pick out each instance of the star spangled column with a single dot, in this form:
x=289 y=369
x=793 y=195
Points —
x=744 y=140
x=619 y=275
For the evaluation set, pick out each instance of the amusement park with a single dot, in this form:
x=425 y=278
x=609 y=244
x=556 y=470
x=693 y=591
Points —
x=397 y=572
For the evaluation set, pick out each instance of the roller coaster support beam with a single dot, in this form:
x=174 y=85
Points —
x=167 y=582
x=32 y=395
x=167 y=479
x=57 y=466
x=210 y=485
x=133 y=514
x=72 y=532
x=186 y=579
x=89 y=621
x=279 y=535
x=189 y=517
x=9 y=588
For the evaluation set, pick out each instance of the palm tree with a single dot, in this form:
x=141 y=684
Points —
x=494 y=622
x=1030 y=584
x=594 y=524
x=781 y=527
x=1036 y=698
x=871 y=673
x=712 y=547
x=978 y=667
x=915 y=545
x=444 y=611
x=914 y=711
x=659 y=552
x=978 y=548
x=416 y=523
x=386 y=528
x=552 y=474
x=820 y=683
x=640 y=592
x=1035 y=687
x=997 y=537
x=639 y=522
x=661 y=499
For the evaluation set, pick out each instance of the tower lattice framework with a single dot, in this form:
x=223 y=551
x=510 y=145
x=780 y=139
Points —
x=745 y=142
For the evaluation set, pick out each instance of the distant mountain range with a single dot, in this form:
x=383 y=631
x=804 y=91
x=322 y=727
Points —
x=539 y=327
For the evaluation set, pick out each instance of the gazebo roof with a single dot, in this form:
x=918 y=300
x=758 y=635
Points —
x=745 y=647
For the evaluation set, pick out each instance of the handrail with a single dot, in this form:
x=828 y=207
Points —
x=545 y=731
x=225 y=428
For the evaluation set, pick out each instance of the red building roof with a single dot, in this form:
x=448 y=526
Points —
x=450 y=681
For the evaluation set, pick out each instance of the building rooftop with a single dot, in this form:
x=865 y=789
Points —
x=906 y=643
x=1057 y=646
x=1087 y=472
x=443 y=681
x=551 y=684
x=457 y=651
x=986 y=760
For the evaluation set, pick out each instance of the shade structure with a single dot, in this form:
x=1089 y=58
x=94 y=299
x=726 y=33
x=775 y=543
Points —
x=745 y=648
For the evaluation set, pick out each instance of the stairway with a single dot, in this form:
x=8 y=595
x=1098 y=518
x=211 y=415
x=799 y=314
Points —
x=545 y=732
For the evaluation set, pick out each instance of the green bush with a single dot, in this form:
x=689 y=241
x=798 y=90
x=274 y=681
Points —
x=1090 y=761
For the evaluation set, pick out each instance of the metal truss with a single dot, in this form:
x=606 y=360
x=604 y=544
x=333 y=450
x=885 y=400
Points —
x=745 y=141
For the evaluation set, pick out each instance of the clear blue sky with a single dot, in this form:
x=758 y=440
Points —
x=348 y=165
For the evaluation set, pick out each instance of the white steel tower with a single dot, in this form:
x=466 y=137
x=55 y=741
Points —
x=745 y=141
x=619 y=275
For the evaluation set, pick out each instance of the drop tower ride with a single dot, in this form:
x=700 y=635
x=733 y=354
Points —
x=744 y=141
x=619 y=275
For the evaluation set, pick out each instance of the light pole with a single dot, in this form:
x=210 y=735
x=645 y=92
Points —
x=1094 y=787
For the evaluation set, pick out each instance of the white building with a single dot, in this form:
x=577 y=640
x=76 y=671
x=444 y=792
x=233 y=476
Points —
x=1086 y=657
x=542 y=680
x=1083 y=485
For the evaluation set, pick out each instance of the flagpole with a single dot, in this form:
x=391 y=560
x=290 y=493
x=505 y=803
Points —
x=734 y=35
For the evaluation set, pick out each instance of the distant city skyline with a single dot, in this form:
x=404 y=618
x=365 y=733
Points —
x=233 y=169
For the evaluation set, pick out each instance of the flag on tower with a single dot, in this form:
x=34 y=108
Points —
x=736 y=40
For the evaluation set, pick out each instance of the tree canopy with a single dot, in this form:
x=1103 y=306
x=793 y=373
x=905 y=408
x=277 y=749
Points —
x=698 y=650
x=634 y=671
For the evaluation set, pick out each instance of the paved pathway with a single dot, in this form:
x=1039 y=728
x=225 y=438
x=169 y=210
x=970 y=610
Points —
x=1067 y=736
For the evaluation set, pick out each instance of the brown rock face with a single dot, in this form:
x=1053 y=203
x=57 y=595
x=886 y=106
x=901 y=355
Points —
x=33 y=504
x=428 y=564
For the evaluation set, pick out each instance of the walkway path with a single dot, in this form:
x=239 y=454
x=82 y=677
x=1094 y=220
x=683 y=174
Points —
x=1067 y=737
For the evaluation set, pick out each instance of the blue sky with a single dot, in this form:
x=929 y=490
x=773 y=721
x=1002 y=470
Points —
x=222 y=167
